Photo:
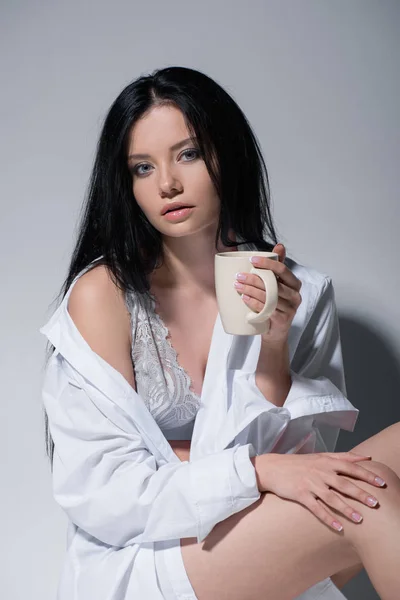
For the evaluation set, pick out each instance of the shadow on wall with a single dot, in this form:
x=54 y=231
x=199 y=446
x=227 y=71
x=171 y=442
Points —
x=373 y=382
x=372 y=378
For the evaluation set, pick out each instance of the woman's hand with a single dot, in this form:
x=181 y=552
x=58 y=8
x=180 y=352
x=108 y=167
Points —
x=313 y=480
x=289 y=298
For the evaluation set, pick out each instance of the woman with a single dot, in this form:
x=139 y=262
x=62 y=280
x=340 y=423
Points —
x=230 y=507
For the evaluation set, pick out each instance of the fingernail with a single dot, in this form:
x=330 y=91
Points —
x=372 y=501
x=237 y=285
x=255 y=260
x=241 y=276
x=380 y=481
x=337 y=526
x=356 y=517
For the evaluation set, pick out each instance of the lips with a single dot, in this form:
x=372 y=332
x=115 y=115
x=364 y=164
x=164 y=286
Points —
x=174 y=206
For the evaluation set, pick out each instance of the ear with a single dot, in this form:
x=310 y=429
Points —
x=281 y=251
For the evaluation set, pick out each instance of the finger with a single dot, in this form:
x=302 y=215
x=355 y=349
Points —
x=333 y=500
x=280 y=250
x=258 y=295
x=255 y=299
x=254 y=287
x=255 y=305
x=347 y=456
x=282 y=314
x=280 y=270
x=285 y=306
x=290 y=294
x=359 y=473
x=318 y=509
x=249 y=280
x=287 y=298
x=350 y=489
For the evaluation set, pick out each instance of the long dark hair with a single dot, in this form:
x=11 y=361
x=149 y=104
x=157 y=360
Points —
x=113 y=225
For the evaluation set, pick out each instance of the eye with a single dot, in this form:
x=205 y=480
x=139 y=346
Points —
x=191 y=150
x=136 y=170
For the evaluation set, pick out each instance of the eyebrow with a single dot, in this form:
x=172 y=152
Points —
x=174 y=147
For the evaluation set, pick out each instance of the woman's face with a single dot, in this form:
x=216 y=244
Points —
x=170 y=174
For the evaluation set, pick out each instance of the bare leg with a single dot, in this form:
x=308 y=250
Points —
x=342 y=577
x=277 y=548
x=383 y=447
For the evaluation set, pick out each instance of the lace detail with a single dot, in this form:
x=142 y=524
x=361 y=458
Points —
x=161 y=381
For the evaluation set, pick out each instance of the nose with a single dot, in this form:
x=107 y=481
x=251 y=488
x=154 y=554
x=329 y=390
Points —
x=168 y=183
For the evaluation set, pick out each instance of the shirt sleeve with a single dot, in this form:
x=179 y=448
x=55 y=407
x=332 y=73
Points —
x=316 y=404
x=111 y=486
x=317 y=370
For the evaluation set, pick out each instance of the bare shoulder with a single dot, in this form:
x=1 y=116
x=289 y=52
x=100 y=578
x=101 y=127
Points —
x=97 y=307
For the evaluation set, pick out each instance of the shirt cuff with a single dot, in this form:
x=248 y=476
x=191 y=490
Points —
x=245 y=475
x=224 y=484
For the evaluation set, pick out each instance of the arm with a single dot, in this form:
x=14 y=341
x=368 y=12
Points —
x=319 y=353
x=317 y=369
x=115 y=346
x=104 y=477
x=273 y=377
x=316 y=403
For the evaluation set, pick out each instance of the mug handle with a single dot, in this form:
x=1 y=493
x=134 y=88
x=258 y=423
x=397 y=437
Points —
x=271 y=290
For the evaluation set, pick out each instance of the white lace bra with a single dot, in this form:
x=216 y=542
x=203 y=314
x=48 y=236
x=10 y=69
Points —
x=162 y=383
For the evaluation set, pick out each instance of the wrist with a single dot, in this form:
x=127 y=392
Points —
x=276 y=343
x=263 y=465
x=273 y=375
x=274 y=348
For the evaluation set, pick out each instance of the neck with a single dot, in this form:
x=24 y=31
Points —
x=188 y=262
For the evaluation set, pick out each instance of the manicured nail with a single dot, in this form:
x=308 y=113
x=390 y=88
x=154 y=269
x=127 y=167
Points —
x=255 y=260
x=241 y=276
x=379 y=481
x=372 y=501
x=246 y=298
x=237 y=285
x=337 y=526
x=356 y=517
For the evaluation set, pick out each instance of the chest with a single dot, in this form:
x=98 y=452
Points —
x=190 y=324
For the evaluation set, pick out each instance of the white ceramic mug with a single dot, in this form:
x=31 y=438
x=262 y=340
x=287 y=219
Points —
x=236 y=316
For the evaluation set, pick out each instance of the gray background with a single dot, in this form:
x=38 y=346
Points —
x=319 y=82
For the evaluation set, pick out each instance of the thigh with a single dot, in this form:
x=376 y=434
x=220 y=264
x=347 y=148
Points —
x=275 y=548
x=384 y=447
x=278 y=548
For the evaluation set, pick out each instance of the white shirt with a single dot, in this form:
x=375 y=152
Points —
x=116 y=476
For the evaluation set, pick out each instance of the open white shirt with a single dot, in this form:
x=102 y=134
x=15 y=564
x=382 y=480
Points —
x=116 y=476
